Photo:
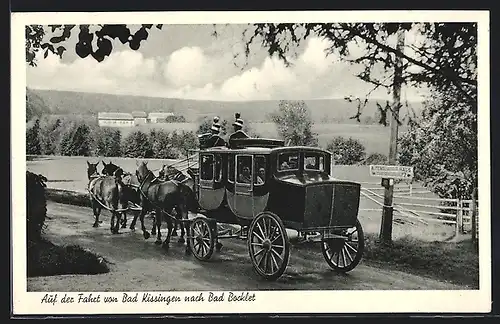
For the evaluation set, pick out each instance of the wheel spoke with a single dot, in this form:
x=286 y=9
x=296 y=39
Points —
x=256 y=244
x=263 y=235
x=350 y=247
x=262 y=231
x=262 y=258
x=278 y=246
x=348 y=254
x=343 y=258
x=199 y=248
x=338 y=258
x=274 y=240
x=258 y=237
x=266 y=256
x=331 y=259
x=259 y=252
x=277 y=254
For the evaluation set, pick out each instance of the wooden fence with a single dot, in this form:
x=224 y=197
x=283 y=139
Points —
x=409 y=202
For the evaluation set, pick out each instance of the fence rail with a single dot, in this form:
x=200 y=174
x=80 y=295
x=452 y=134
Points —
x=426 y=209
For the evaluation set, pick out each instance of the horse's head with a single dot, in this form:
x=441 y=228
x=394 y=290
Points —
x=92 y=169
x=142 y=171
x=112 y=169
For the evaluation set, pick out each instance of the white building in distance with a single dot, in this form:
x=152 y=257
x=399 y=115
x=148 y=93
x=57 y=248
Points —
x=114 y=119
x=140 y=117
x=159 y=117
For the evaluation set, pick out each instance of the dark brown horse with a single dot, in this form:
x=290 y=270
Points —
x=106 y=192
x=162 y=197
x=131 y=189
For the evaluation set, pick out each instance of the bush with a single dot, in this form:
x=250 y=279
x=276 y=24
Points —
x=137 y=145
x=346 y=151
x=36 y=206
x=375 y=158
x=33 y=145
x=47 y=259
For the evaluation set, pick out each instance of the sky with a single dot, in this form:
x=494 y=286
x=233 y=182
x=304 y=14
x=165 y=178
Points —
x=188 y=62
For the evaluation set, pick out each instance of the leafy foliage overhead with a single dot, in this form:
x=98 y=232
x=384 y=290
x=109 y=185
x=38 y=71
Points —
x=103 y=36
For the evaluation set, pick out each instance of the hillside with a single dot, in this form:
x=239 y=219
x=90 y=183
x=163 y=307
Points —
x=323 y=110
x=35 y=105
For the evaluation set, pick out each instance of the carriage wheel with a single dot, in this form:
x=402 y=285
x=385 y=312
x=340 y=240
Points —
x=345 y=255
x=201 y=239
x=268 y=245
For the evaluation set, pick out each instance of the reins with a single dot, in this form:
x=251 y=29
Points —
x=93 y=177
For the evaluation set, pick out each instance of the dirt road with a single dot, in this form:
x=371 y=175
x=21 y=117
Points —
x=140 y=265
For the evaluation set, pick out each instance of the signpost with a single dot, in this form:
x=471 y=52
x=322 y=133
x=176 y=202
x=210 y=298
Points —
x=391 y=171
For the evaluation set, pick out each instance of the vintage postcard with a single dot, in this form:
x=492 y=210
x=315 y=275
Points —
x=250 y=162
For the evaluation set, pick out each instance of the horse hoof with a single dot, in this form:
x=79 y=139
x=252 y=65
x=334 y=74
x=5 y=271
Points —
x=95 y=225
x=132 y=228
x=181 y=240
x=158 y=242
x=146 y=235
x=124 y=226
x=112 y=231
x=218 y=247
x=174 y=233
x=188 y=251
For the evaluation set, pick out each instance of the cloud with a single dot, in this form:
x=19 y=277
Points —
x=191 y=72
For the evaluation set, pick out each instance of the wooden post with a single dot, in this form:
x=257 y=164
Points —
x=457 y=216
x=473 y=219
x=388 y=209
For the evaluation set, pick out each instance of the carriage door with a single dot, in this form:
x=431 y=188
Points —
x=243 y=186
x=207 y=167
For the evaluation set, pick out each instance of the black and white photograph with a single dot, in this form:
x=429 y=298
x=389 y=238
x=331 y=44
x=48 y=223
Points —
x=250 y=162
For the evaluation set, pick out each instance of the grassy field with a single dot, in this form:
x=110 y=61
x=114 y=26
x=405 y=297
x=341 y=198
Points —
x=375 y=138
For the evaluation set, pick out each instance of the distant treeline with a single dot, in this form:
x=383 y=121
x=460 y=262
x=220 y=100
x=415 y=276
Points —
x=79 y=136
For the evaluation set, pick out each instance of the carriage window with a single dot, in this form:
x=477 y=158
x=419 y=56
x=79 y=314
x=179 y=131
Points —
x=218 y=168
x=314 y=162
x=244 y=169
x=259 y=170
x=230 y=168
x=207 y=167
x=288 y=161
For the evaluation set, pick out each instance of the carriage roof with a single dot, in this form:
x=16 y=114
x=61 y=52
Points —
x=262 y=146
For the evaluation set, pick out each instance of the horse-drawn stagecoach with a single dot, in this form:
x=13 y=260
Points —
x=265 y=188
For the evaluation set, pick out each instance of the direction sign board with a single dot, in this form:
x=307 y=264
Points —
x=391 y=171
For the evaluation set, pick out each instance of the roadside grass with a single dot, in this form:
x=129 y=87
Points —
x=454 y=262
x=47 y=259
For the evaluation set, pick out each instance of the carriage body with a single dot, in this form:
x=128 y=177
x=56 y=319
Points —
x=304 y=194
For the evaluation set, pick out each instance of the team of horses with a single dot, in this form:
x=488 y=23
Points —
x=169 y=196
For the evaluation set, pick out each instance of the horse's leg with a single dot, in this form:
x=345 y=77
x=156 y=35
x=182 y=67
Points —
x=118 y=222
x=157 y=222
x=153 y=228
x=112 y=223
x=170 y=227
x=134 y=220
x=180 y=215
x=124 y=220
x=145 y=232
x=97 y=212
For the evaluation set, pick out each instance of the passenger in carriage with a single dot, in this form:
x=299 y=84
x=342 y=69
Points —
x=261 y=176
x=213 y=138
x=238 y=128
x=245 y=176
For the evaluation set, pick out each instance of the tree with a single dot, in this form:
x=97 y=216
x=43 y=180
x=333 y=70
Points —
x=104 y=34
x=137 y=145
x=346 y=151
x=33 y=145
x=445 y=59
x=294 y=123
x=50 y=136
x=108 y=142
x=442 y=146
